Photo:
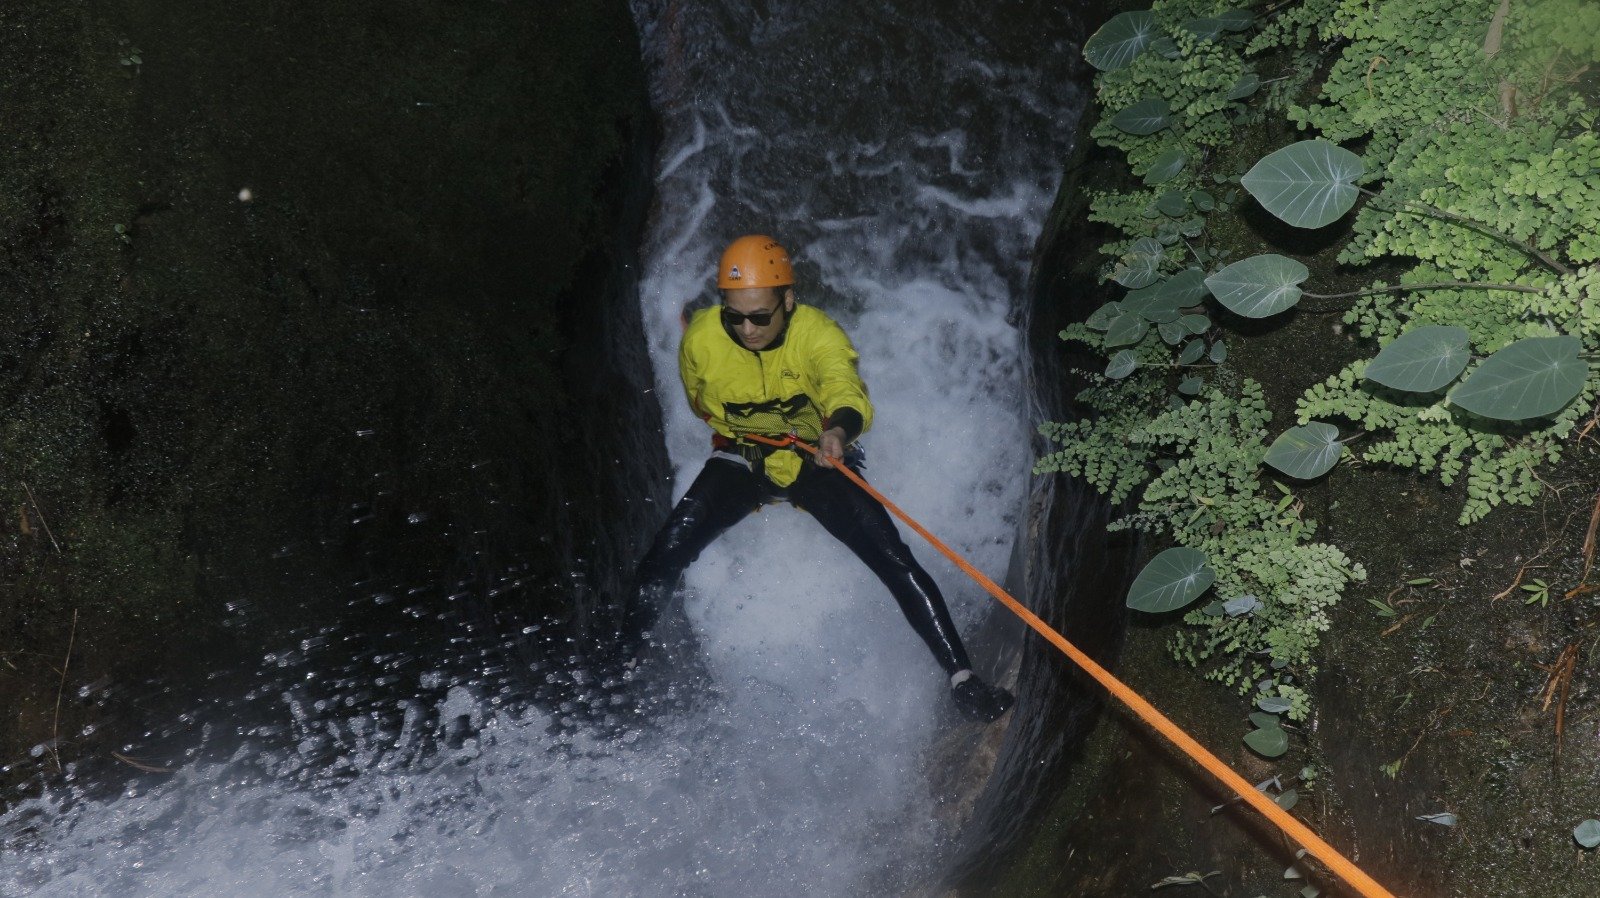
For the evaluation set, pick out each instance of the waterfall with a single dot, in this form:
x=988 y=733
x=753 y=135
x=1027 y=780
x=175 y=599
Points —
x=906 y=154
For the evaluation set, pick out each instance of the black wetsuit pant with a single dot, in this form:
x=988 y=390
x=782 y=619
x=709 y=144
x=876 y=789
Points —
x=726 y=491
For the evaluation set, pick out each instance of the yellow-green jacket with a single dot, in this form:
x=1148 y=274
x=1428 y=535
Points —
x=804 y=382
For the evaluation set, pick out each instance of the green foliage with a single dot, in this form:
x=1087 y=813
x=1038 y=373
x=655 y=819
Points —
x=1531 y=378
x=1140 y=264
x=1211 y=499
x=1502 y=142
x=1538 y=592
x=1170 y=581
x=1422 y=360
x=1499 y=467
x=1572 y=304
x=1192 y=82
x=1126 y=211
x=1286 y=37
x=1307 y=451
x=1094 y=449
x=1200 y=467
x=1167 y=106
x=1486 y=164
x=1121 y=40
x=1293 y=27
x=1268 y=741
x=1533 y=180
x=1285 y=699
x=1493 y=318
x=1570 y=27
x=1308 y=184
x=1260 y=286
x=1407 y=61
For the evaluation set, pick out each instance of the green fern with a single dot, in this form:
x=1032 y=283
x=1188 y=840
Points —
x=1199 y=464
x=1486 y=166
x=1501 y=140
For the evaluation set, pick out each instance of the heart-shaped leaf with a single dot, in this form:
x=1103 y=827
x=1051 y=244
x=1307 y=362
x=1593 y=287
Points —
x=1528 y=379
x=1123 y=362
x=1192 y=351
x=1262 y=720
x=1236 y=19
x=1219 y=352
x=1144 y=117
x=1141 y=264
x=1182 y=289
x=1239 y=607
x=1204 y=29
x=1259 y=286
x=1172 y=332
x=1166 y=166
x=1203 y=201
x=1247 y=84
x=1422 y=359
x=1173 y=204
x=1307 y=451
x=1186 y=288
x=1195 y=324
x=1120 y=40
x=1268 y=742
x=1587 y=833
x=1126 y=329
x=1148 y=300
x=1308 y=184
x=1191 y=386
x=1272 y=704
x=1171 y=580
x=1103 y=316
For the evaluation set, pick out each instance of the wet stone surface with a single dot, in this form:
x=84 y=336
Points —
x=298 y=297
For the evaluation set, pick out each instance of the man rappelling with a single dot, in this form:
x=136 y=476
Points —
x=763 y=365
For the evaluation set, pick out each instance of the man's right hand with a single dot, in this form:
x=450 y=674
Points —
x=830 y=446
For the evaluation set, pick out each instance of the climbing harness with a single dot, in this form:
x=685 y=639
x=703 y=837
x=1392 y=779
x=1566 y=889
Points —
x=1322 y=851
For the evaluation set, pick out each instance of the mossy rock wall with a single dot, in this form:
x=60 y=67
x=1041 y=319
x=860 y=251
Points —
x=294 y=295
x=1440 y=754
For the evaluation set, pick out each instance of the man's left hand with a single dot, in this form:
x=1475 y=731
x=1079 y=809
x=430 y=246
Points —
x=830 y=446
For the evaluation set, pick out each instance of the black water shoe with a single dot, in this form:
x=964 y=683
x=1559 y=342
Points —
x=977 y=699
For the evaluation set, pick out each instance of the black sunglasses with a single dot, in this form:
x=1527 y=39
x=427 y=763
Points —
x=759 y=319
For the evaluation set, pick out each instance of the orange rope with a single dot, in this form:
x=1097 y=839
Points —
x=1296 y=830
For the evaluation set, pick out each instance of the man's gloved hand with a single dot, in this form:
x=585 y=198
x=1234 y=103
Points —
x=830 y=446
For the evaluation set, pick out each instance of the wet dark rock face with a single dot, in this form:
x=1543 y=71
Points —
x=1073 y=572
x=295 y=296
x=1448 y=702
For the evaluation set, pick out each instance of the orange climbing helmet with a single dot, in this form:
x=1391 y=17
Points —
x=754 y=260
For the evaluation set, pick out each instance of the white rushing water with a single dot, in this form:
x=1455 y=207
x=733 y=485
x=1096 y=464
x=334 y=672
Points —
x=906 y=156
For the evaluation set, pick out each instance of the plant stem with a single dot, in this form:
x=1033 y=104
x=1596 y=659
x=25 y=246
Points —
x=40 y=512
x=1480 y=227
x=1438 y=285
x=55 y=726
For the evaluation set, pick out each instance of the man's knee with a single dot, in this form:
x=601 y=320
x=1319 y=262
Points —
x=677 y=543
x=872 y=536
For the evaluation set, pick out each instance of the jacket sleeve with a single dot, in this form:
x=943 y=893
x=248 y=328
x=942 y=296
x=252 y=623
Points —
x=692 y=377
x=843 y=395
